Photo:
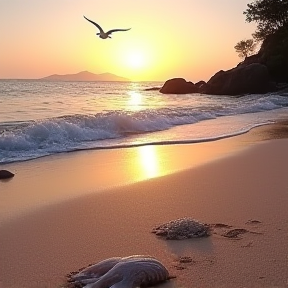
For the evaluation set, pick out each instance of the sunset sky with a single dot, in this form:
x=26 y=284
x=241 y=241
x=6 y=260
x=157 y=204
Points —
x=185 y=38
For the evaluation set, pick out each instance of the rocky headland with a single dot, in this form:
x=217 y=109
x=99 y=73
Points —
x=264 y=72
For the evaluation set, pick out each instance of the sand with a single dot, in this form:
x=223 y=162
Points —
x=61 y=213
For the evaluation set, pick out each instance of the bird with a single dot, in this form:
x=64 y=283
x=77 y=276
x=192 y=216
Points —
x=102 y=34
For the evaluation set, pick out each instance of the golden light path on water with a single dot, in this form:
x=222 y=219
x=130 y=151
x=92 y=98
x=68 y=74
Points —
x=134 y=101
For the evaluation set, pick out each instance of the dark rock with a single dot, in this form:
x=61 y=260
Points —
x=259 y=73
x=5 y=174
x=152 y=89
x=282 y=86
x=252 y=78
x=207 y=89
x=178 y=86
x=274 y=55
x=200 y=84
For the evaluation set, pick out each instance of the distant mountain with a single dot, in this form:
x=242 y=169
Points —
x=85 y=76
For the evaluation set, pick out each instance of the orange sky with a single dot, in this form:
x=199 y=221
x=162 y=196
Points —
x=184 y=38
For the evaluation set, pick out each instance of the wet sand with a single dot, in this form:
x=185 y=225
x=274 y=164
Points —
x=61 y=213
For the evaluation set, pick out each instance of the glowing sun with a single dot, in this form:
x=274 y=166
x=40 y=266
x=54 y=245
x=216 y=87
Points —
x=135 y=60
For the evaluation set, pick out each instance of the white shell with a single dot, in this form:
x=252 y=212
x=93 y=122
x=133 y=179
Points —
x=127 y=272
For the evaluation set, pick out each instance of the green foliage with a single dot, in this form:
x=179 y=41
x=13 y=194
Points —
x=245 y=48
x=269 y=15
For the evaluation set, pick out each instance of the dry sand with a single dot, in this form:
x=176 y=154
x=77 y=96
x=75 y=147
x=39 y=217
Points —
x=61 y=213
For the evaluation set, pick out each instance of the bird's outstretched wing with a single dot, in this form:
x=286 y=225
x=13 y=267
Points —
x=97 y=25
x=115 y=30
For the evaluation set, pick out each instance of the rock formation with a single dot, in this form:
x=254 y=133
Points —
x=178 y=86
x=263 y=72
x=5 y=174
x=252 y=78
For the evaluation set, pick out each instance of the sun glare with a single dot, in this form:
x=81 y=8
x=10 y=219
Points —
x=135 y=100
x=135 y=60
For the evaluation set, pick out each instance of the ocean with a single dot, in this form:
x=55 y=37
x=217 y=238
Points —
x=41 y=118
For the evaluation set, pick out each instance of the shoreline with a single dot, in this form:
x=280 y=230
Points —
x=76 y=229
x=93 y=169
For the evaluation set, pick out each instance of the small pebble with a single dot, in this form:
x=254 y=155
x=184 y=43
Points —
x=5 y=174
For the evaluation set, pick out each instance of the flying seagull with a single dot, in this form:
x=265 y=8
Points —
x=103 y=34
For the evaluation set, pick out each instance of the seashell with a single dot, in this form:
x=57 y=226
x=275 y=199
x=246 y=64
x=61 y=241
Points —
x=128 y=272
x=96 y=271
x=183 y=228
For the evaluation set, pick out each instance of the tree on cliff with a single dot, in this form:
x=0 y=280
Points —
x=245 y=48
x=270 y=15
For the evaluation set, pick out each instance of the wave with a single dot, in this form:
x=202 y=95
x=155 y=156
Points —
x=21 y=141
x=70 y=130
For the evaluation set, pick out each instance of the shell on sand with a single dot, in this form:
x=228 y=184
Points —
x=183 y=228
x=127 y=272
x=96 y=270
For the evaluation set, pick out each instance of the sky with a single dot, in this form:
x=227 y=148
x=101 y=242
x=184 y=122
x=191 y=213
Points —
x=192 y=39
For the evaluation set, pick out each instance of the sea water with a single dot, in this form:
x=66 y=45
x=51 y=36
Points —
x=40 y=118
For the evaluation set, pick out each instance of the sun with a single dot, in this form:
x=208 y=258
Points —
x=135 y=60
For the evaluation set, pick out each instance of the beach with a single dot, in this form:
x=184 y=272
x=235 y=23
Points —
x=63 y=212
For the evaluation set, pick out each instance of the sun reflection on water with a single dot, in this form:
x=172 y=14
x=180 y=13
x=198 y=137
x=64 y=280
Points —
x=135 y=100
